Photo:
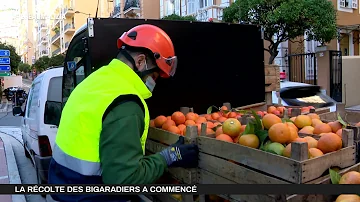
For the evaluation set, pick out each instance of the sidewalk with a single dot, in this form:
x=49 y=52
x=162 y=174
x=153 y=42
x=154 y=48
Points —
x=9 y=173
x=4 y=175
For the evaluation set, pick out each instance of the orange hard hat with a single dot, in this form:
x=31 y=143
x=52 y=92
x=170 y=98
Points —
x=157 y=41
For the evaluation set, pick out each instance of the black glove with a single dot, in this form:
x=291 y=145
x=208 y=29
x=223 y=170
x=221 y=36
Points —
x=181 y=155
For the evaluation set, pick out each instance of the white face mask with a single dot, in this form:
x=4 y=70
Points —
x=149 y=82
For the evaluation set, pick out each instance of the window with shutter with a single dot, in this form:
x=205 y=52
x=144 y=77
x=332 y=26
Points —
x=177 y=7
x=191 y=7
x=342 y=3
x=209 y=2
x=161 y=8
x=354 y=4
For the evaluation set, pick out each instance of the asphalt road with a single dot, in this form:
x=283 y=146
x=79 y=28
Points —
x=25 y=166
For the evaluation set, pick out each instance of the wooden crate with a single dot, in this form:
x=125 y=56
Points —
x=272 y=78
x=217 y=163
x=351 y=117
x=322 y=180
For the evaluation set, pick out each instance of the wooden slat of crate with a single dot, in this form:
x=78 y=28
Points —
x=181 y=174
x=351 y=117
x=285 y=168
x=163 y=136
x=234 y=172
x=322 y=180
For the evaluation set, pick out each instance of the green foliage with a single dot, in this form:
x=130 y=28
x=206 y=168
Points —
x=45 y=62
x=57 y=60
x=177 y=17
x=15 y=59
x=23 y=67
x=286 y=19
x=334 y=176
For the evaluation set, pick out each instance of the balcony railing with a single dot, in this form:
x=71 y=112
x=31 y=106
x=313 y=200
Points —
x=57 y=51
x=55 y=37
x=70 y=8
x=44 y=52
x=67 y=44
x=215 y=12
x=116 y=12
x=68 y=26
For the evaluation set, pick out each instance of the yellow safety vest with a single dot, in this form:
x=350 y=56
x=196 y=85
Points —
x=77 y=141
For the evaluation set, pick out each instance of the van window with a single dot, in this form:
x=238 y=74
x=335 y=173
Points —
x=52 y=112
x=75 y=53
x=54 y=90
x=28 y=102
x=80 y=74
x=33 y=104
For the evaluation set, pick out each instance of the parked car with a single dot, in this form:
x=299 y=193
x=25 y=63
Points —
x=10 y=92
x=295 y=94
x=40 y=119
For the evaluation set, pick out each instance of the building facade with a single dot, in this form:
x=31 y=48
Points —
x=348 y=23
x=136 y=9
x=203 y=10
x=70 y=15
x=27 y=39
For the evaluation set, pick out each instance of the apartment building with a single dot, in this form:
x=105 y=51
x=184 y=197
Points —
x=203 y=10
x=149 y=9
x=27 y=39
x=348 y=23
x=70 y=15
x=42 y=21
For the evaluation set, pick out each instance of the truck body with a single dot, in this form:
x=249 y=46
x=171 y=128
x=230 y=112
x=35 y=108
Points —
x=12 y=81
x=217 y=62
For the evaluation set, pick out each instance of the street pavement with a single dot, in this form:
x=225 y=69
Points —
x=10 y=133
x=27 y=84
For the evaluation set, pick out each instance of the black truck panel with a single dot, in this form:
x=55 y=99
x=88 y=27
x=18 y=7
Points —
x=218 y=62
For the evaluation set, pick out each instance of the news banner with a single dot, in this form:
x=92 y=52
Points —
x=199 y=189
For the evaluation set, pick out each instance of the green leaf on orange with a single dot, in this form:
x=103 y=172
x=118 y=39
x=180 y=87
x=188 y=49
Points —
x=209 y=110
x=225 y=111
x=334 y=176
x=249 y=129
x=286 y=120
x=341 y=120
x=262 y=135
x=258 y=125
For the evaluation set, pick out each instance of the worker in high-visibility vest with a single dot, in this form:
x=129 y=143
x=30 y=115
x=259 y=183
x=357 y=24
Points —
x=104 y=124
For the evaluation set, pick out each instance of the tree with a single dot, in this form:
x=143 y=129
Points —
x=286 y=19
x=57 y=60
x=45 y=62
x=23 y=67
x=42 y=63
x=15 y=59
x=178 y=17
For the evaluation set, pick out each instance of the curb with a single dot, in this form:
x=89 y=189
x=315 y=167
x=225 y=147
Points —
x=13 y=172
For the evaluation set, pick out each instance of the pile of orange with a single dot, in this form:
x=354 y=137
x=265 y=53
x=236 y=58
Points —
x=288 y=132
x=279 y=110
x=222 y=115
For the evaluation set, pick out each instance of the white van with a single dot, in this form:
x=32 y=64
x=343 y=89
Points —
x=40 y=119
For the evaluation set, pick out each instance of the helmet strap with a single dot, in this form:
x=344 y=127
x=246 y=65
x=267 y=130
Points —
x=127 y=55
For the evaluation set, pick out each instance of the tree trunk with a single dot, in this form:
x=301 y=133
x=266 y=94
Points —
x=273 y=54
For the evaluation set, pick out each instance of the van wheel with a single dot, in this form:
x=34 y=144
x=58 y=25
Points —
x=26 y=153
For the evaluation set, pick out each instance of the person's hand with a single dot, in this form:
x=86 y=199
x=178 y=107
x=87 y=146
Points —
x=181 y=155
